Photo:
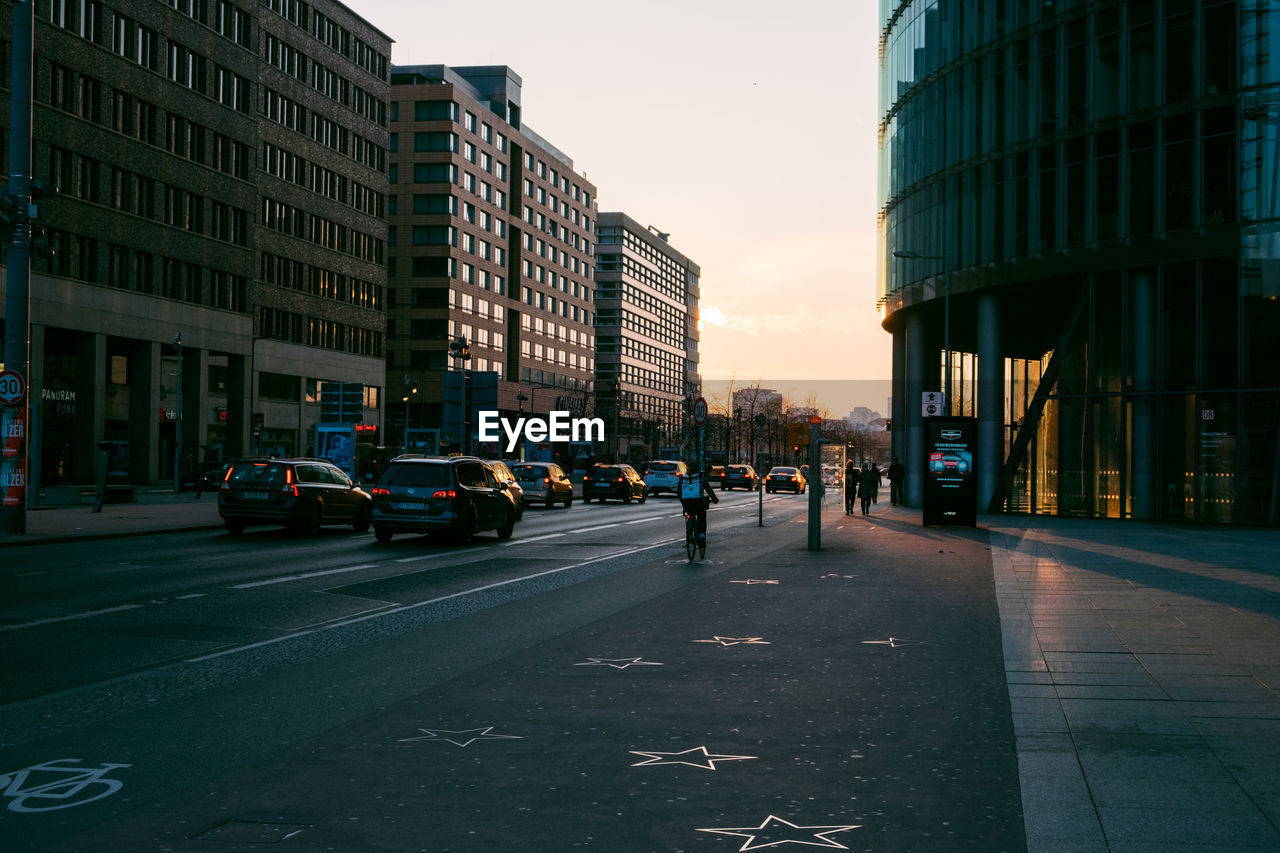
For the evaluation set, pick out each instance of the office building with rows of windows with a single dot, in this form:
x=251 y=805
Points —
x=646 y=336
x=491 y=240
x=1080 y=199
x=222 y=174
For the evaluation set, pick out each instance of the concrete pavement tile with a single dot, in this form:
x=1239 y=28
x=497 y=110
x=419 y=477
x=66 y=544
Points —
x=1141 y=692
x=1266 y=710
x=1171 y=794
x=1035 y=723
x=1058 y=808
x=1022 y=676
x=1203 y=825
x=1126 y=717
x=1150 y=759
x=1133 y=676
x=1119 y=666
x=1196 y=847
x=1032 y=691
x=1097 y=659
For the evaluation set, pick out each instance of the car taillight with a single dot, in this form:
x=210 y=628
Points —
x=378 y=491
x=620 y=479
x=444 y=495
x=290 y=487
x=546 y=481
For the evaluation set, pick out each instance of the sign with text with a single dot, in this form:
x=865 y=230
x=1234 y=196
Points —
x=950 y=477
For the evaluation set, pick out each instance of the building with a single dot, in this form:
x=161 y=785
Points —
x=219 y=238
x=646 y=337
x=1079 y=200
x=491 y=237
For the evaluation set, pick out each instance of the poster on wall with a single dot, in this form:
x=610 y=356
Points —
x=336 y=443
x=950 y=477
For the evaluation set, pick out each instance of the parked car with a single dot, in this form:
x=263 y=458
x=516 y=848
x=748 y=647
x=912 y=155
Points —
x=664 y=475
x=739 y=477
x=300 y=494
x=544 y=482
x=505 y=476
x=613 y=481
x=785 y=478
x=458 y=496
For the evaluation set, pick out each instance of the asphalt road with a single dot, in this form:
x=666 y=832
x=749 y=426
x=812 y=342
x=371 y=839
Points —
x=580 y=687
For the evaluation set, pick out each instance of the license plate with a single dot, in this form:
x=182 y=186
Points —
x=256 y=496
x=411 y=505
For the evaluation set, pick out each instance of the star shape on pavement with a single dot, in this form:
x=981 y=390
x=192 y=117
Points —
x=484 y=733
x=751 y=581
x=617 y=663
x=894 y=642
x=698 y=757
x=733 y=641
x=775 y=831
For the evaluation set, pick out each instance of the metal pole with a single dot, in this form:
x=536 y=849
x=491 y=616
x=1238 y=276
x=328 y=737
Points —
x=177 y=427
x=17 y=307
x=815 y=497
x=759 y=479
x=946 y=334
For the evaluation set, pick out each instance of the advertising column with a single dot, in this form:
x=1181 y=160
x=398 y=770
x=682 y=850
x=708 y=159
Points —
x=950 y=479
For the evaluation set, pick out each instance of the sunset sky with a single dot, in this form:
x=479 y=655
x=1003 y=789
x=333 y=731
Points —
x=746 y=130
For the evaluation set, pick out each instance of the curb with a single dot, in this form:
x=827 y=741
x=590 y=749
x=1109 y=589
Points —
x=61 y=539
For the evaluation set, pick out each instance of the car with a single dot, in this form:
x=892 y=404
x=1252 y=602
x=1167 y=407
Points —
x=457 y=496
x=739 y=476
x=544 y=482
x=715 y=473
x=613 y=481
x=664 y=475
x=503 y=472
x=949 y=463
x=785 y=478
x=300 y=494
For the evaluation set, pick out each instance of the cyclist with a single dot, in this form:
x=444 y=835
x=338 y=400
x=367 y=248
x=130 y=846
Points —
x=694 y=494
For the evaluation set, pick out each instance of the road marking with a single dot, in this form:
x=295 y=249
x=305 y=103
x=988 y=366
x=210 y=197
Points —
x=590 y=529
x=404 y=608
x=86 y=615
x=532 y=539
x=647 y=520
x=288 y=578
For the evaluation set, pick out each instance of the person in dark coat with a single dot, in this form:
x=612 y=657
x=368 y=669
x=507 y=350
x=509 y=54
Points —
x=867 y=485
x=851 y=474
x=897 y=474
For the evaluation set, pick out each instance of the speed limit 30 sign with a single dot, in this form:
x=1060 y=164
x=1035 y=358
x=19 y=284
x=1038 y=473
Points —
x=12 y=387
x=700 y=411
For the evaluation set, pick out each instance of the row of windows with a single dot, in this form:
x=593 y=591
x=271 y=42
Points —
x=1142 y=178
x=548 y=173
x=450 y=111
x=296 y=222
x=561 y=332
x=127 y=268
x=318 y=281
x=643 y=326
x=669 y=363
x=543 y=249
x=288 y=166
x=672 y=319
x=294 y=62
x=543 y=302
x=546 y=224
x=300 y=14
x=551 y=355
x=280 y=325
x=668 y=276
x=99 y=23
x=651 y=379
x=653 y=279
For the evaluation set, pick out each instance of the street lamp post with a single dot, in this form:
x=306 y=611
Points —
x=521 y=399
x=177 y=432
x=409 y=391
x=946 y=318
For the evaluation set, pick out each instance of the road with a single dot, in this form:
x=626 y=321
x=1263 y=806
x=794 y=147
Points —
x=580 y=686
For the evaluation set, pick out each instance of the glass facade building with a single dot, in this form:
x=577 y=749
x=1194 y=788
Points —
x=1080 y=199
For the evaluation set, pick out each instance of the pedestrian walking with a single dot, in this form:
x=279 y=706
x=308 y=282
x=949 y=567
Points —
x=851 y=474
x=896 y=475
x=875 y=469
x=867 y=484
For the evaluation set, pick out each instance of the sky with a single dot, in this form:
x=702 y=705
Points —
x=746 y=130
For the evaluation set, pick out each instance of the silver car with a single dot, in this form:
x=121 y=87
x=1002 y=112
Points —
x=664 y=476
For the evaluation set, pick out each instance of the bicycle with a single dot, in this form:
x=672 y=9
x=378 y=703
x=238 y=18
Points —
x=693 y=543
x=69 y=786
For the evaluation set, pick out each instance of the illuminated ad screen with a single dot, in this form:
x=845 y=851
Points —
x=950 y=475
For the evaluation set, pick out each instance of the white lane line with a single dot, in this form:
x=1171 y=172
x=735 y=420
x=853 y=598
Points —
x=600 y=527
x=86 y=615
x=532 y=539
x=647 y=520
x=288 y=578
x=407 y=607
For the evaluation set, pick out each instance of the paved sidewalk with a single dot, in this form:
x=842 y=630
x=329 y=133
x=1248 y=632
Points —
x=1143 y=673
x=155 y=512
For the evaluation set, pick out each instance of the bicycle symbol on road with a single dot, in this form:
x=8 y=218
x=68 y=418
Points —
x=55 y=785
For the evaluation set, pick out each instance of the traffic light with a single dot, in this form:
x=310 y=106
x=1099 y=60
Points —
x=460 y=348
x=888 y=425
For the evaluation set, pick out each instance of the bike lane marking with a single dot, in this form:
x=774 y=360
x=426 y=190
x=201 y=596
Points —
x=86 y=615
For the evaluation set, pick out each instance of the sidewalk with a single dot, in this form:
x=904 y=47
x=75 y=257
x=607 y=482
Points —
x=155 y=512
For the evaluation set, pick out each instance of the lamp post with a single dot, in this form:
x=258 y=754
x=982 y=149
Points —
x=409 y=391
x=177 y=431
x=737 y=433
x=946 y=318
x=521 y=399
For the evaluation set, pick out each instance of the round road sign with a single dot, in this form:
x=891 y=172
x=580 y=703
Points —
x=700 y=411
x=12 y=387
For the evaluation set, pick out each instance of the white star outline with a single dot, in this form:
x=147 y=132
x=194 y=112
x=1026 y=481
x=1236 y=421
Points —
x=734 y=641
x=614 y=662
x=483 y=733
x=819 y=839
x=894 y=642
x=753 y=581
x=656 y=758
